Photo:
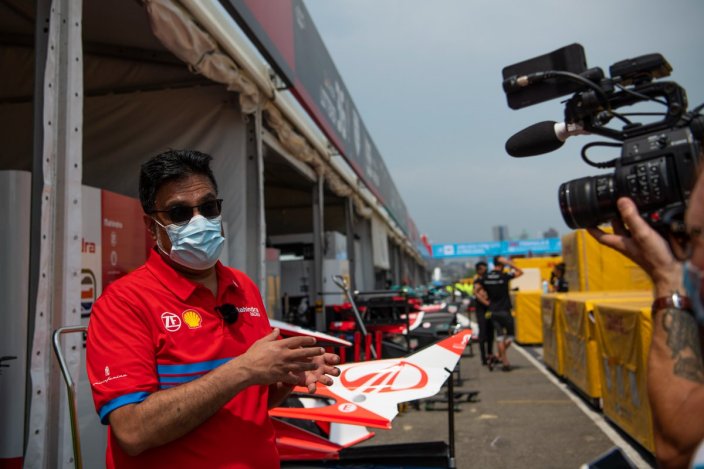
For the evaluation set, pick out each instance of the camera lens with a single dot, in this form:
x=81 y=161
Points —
x=588 y=201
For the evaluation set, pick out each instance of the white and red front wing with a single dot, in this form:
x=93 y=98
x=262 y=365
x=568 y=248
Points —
x=367 y=393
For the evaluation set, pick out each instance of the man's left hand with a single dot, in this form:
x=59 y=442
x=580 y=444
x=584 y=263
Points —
x=323 y=372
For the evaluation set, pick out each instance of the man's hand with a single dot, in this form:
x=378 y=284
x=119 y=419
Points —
x=320 y=369
x=517 y=271
x=635 y=239
x=322 y=374
x=270 y=360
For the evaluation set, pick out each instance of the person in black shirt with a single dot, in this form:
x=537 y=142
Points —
x=558 y=283
x=481 y=310
x=496 y=284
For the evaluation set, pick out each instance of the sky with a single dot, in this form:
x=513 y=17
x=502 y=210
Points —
x=426 y=79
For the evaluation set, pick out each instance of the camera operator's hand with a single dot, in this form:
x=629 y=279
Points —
x=635 y=239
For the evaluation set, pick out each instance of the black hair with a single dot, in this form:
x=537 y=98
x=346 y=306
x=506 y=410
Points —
x=480 y=264
x=171 y=165
x=560 y=267
x=497 y=260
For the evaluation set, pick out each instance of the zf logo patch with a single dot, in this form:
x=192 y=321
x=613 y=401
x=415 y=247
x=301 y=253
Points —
x=171 y=321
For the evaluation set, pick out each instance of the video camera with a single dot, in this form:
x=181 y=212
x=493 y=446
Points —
x=657 y=166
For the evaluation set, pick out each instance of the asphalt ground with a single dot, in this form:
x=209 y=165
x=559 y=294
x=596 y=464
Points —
x=521 y=418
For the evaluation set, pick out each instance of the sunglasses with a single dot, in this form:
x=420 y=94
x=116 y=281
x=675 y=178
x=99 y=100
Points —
x=182 y=214
x=680 y=238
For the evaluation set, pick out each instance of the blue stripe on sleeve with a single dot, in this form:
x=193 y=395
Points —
x=133 y=398
x=177 y=379
x=182 y=369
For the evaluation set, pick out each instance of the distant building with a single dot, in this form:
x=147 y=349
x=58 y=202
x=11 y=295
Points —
x=500 y=232
x=454 y=270
x=551 y=233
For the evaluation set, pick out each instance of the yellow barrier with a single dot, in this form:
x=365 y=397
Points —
x=552 y=340
x=593 y=267
x=552 y=307
x=623 y=334
x=581 y=360
x=527 y=317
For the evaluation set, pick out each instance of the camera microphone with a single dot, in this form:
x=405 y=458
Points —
x=228 y=312
x=540 y=138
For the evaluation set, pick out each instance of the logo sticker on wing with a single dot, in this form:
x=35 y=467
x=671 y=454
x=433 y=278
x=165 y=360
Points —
x=371 y=377
x=347 y=407
x=461 y=346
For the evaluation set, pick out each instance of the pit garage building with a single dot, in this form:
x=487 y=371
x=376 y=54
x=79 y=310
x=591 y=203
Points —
x=92 y=88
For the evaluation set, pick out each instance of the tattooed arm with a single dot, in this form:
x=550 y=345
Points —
x=675 y=373
x=676 y=386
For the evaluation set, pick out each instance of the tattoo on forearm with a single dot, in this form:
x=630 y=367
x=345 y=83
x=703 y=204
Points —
x=682 y=335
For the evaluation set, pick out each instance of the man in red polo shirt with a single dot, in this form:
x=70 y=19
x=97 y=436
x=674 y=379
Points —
x=182 y=360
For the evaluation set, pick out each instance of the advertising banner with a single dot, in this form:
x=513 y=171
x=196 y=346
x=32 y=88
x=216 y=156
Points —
x=286 y=35
x=539 y=246
x=91 y=251
x=124 y=237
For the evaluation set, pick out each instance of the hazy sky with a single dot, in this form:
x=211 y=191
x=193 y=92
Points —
x=426 y=78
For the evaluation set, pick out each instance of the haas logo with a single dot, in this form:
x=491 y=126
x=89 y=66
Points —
x=463 y=343
x=374 y=378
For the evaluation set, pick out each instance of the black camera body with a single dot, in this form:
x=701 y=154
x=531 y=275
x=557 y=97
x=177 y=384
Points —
x=657 y=171
x=658 y=163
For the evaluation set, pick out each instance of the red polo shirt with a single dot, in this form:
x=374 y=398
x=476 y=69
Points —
x=154 y=329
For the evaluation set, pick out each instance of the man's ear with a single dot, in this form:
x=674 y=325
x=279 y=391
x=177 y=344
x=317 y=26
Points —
x=150 y=225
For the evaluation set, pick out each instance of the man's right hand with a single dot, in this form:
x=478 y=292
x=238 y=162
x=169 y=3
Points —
x=635 y=239
x=270 y=360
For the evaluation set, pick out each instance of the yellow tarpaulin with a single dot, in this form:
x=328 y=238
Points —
x=581 y=361
x=552 y=340
x=552 y=313
x=593 y=267
x=528 y=320
x=623 y=334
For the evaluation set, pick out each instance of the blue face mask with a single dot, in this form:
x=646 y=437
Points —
x=692 y=281
x=196 y=245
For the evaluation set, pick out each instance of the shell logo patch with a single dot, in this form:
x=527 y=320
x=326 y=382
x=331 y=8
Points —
x=192 y=318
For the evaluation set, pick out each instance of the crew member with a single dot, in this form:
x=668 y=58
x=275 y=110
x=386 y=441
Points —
x=496 y=284
x=181 y=358
x=481 y=311
x=558 y=282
